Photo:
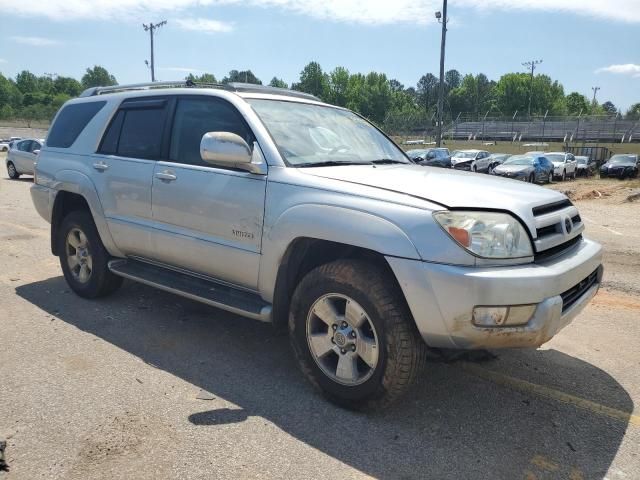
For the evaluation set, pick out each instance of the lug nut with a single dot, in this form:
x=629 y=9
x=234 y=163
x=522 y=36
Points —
x=343 y=351
x=353 y=348
x=335 y=327
x=353 y=334
x=344 y=325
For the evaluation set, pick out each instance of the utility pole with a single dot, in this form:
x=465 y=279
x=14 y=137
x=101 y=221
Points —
x=442 y=18
x=532 y=65
x=595 y=92
x=150 y=28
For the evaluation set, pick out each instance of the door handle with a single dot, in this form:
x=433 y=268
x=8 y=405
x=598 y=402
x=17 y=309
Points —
x=166 y=176
x=101 y=166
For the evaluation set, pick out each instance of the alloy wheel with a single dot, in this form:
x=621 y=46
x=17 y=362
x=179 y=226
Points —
x=342 y=339
x=79 y=256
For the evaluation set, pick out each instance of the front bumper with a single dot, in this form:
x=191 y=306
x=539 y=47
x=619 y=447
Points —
x=442 y=297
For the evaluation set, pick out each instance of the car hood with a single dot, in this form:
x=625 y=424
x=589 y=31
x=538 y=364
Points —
x=558 y=164
x=511 y=168
x=447 y=187
x=461 y=159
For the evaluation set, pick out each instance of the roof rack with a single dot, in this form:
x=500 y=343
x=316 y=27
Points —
x=231 y=87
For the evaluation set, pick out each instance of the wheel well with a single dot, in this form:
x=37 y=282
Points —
x=302 y=256
x=65 y=203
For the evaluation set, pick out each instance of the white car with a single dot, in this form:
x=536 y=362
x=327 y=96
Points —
x=22 y=157
x=471 y=160
x=4 y=145
x=564 y=164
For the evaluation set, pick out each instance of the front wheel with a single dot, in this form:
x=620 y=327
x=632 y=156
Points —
x=12 y=172
x=83 y=257
x=532 y=178
x=353 y=335
x=564 y=175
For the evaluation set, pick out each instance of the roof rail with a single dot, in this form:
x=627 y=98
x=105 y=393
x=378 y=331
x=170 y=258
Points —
x=232 y=87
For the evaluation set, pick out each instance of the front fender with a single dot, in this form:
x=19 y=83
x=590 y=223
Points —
x=331 y=223
x=78 y=183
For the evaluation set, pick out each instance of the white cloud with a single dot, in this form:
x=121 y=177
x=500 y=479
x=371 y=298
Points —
x=204 y=25
x=35 y=41
x=2 y=60
x=623 y=69
x=353 y=11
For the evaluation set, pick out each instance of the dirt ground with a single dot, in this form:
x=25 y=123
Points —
x=147 y=385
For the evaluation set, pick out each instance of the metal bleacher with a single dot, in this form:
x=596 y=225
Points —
x=553 y=129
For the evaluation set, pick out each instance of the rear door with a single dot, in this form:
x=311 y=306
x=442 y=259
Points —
x=130 y=147
x=31 y=155
x=208 y=219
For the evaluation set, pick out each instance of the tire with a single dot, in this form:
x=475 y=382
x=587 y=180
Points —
x=532 y=178
x=474 y=169
x=12 y=172
x=564 y=175
x=90 y=276
x=550 y=177
x=385 y=320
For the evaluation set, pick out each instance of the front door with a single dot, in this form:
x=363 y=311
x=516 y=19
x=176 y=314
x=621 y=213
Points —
x=208 y=219
x=20 y=156
x=123 y=169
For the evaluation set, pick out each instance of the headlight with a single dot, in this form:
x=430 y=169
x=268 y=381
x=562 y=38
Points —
x=487 y=234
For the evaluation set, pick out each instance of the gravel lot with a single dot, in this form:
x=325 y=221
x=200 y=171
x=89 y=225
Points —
x=144 y=384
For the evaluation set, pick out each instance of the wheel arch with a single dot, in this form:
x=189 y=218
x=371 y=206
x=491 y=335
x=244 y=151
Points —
x=75 y=191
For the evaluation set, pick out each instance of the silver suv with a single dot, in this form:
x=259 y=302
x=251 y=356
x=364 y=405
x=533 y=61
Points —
x=278 y=207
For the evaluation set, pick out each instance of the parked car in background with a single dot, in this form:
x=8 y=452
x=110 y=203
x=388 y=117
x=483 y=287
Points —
x=471 y=160
x=13 y=141
x=496 y=159
x=431 y=157
x=565 y=164
x=585 y=166
x=621 y=166
x=4 y=145
x=22 y=157
x=527 y=168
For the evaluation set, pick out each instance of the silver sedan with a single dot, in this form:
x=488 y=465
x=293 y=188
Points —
x=21 y=158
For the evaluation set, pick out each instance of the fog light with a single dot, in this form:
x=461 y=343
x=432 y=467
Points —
x=503 y=316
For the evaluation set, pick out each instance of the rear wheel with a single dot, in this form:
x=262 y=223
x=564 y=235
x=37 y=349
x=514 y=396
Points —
x=12 y=172
x=353 y=335
x=83 y=257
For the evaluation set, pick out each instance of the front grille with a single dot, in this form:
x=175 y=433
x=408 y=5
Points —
x=551 y=207
x=572 y=295
x=557 y=250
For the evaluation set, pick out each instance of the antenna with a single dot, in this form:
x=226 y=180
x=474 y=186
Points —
x=151 y=28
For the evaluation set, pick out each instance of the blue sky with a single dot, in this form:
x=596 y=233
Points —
x=583 y=43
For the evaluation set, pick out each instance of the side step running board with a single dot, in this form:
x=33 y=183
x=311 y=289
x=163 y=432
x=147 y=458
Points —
x=210 y=292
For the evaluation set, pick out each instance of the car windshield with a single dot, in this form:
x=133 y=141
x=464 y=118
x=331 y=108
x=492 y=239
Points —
x=621 y=159
x=415 y=153
x=519 y=160
x=309 y=135
x=557 y=157
x=466 y=154
x=581 y=161
x=441 y=152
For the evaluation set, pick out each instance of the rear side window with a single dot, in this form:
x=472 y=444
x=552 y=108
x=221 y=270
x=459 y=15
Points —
x=70 y=122
x=136 y=130
x=24 y=146
x=196 y=116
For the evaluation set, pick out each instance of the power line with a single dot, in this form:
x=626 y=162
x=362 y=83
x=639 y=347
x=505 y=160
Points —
x=151 y=28
x=532 y=65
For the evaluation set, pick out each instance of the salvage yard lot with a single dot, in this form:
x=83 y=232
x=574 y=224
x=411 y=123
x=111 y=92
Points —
x=145 y=384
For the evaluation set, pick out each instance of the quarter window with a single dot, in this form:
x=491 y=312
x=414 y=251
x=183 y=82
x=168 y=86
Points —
x=196 y=116
x=70 y=122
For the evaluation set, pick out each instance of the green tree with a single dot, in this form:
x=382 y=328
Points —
x=67 y=86
x=453 y=79
x=338 y=86
x=577 y=103
x=427 y=90
x=206 y=78
x=27 y=82
x=634 y=112
x=278 y=83
x=244 y=76
x=609 y=108
x=98 y=77
x=313 y=80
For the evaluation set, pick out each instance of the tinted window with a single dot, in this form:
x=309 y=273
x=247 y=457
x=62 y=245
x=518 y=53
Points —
x=24 y=146
x=141 y=133
x=196 y=116
x=70 y=122
x=110 y=140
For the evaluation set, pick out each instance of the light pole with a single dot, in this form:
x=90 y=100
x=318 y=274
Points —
x=595 y=92
x=532 y=65
x=150 y=28
x=442 y=18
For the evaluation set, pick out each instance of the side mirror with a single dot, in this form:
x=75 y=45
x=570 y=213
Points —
x=36 y=152
x=230 y=150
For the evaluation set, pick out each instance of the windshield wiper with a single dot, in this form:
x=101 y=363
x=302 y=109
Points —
x=387 y=161
x=332 y=163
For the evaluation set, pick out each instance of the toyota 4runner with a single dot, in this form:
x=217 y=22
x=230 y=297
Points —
x=273 y=205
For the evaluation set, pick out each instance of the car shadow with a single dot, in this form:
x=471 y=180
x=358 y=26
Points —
x=21 y=179
x=453 y=425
